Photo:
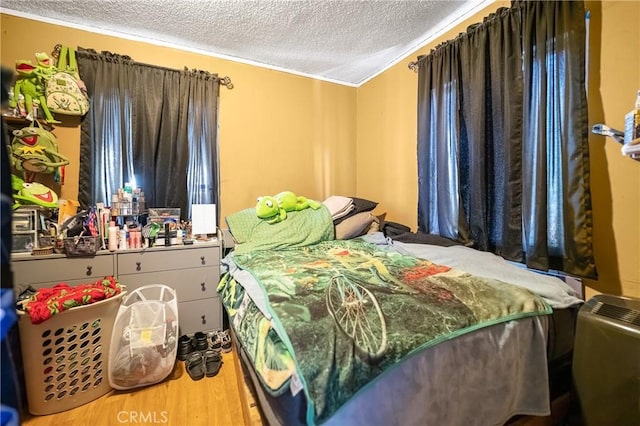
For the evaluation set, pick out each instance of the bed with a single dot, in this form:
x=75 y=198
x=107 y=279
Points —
x=368 y=330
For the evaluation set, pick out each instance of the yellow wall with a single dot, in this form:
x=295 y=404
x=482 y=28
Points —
x=386 y=123
x=614 y=79
x=277 y=130
x=283 y=131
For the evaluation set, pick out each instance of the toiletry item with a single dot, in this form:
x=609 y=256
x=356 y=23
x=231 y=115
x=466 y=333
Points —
x=636 y=122
x=113 y=236
x=123 y=240
x=21 y=107
x=35 y=109
x=141 y=202
x=132 y=239
x=632 y=122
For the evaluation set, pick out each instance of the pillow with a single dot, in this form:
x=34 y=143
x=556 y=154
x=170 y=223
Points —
x=300 y=228
x=354 y=226
x=360 y=205
x=382 y=221
x=377 y=224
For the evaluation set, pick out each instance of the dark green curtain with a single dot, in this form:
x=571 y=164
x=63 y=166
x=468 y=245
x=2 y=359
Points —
x=503 y=159
x=156 y=124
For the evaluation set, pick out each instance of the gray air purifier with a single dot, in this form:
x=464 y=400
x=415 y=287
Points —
x=606 y=361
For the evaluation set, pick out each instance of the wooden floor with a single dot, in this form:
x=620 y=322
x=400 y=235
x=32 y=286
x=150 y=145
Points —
x=178 y=400
x=223 y=400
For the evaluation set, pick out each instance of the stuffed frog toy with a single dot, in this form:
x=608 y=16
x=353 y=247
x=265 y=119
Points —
x=34 y=193
x=274 y=209
x=34 y=149
x=31 y=84
x=46 y=68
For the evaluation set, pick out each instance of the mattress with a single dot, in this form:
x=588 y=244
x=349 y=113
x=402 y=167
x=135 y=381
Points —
x=515 y=353
x=414 y=394
x=287 y=409
x=563 y=299
x=560 y=339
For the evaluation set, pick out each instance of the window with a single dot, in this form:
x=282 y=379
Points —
x=503 y=156
x=153 y=126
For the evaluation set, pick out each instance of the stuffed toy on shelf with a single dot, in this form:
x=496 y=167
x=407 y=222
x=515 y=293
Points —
x=31 y=85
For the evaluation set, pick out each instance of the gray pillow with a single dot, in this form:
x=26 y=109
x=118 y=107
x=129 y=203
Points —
x=354 y=226
x=361 y=205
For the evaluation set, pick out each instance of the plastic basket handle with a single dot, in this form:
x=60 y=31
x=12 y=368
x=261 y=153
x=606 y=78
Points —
x=141 y=297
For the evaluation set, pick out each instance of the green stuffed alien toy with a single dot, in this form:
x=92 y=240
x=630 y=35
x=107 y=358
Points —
x=34 y=193
x=274 y=209
x=31 y=84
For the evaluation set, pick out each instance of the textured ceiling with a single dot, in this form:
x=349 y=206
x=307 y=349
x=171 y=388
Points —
x=346 y=41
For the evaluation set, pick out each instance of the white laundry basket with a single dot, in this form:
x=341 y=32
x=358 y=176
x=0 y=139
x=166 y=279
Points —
x=144 y=339
x=64 y=357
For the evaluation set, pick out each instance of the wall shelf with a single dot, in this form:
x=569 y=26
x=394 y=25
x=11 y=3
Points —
x=17 y=122
x=631 y=149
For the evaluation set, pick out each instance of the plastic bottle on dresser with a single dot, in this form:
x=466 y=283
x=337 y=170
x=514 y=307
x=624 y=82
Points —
x=123 y=240
x=136 y=239
x=133 y=240
x=113 y=236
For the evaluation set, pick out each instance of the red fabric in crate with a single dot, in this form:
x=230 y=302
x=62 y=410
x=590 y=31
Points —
x=50 y=301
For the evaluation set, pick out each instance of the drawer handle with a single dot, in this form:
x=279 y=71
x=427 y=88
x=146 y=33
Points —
x=204 y=321
x=202 y=260
x=89 y=269
x=138 y=266
x=203 y=285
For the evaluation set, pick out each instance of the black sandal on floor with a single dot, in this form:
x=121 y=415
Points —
x=195 y=366
x=212 y=362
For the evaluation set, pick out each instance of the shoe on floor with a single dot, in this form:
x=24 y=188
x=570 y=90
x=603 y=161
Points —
x=185 y=347
x=201 y=341
x=225 y=340
x=195 y=366
x=214 y=340
x=212 y=362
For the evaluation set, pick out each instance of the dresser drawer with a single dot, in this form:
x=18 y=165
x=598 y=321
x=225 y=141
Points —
x=200 y=315
x=61 y=269
x=166 y=260
x=193 y=284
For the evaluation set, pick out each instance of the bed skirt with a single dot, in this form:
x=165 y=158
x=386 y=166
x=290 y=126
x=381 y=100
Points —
x=481 y=378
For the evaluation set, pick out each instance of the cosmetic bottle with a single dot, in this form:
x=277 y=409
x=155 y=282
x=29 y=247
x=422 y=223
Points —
x=113 y=236
x=123 y=240
x=632 y=122
x=167 y=235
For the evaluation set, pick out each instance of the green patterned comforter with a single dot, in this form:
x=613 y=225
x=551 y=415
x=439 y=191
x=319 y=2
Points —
x=333 y=316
